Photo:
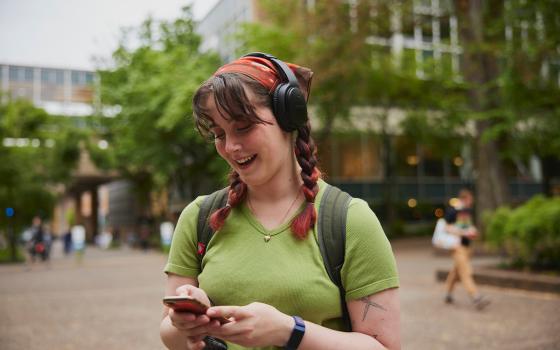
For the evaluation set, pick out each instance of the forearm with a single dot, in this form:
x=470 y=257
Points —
x=171 y=337
x=318 y=337
x=454 y=230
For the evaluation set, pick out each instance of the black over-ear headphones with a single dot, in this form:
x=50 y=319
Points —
x=288 y=102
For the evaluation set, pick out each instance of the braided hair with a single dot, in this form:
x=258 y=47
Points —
x=307 y=160
x=232 y=102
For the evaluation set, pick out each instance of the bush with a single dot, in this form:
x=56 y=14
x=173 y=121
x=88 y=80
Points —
x=530 y=234
x=6 y=256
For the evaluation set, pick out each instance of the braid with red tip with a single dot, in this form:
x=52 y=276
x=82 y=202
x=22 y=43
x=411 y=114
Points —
x=236 y=195
x=306 y=157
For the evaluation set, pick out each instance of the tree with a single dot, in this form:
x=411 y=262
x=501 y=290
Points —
x=38 y=152
x=152 y=139
x=529 y=83
x=480 y=71
x=510 y=99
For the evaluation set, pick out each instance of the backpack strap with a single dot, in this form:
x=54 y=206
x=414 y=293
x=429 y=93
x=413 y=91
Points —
x=331 y=234
x=204 y=232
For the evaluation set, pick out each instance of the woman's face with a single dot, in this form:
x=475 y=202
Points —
x=259 y=153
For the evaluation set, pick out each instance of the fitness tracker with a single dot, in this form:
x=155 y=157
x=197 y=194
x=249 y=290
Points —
x=297 y=334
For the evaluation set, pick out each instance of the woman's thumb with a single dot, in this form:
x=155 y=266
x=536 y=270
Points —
x=185 y=289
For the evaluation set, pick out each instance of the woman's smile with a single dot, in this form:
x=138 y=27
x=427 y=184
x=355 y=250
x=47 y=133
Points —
x=244 y=163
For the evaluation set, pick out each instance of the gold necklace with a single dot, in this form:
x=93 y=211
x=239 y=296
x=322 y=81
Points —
x=267 y=236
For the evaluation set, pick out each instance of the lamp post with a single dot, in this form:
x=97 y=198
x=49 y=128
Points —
x=10 y=212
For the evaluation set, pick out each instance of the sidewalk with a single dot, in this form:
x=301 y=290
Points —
x=486 y=272
x=516 y=319
x=113 y=301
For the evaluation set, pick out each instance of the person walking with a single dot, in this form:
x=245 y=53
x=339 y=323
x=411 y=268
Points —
x=263 y=268
x=459 y=220
x=38 y=246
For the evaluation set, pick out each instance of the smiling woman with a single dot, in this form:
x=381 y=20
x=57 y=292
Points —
x=254 y=109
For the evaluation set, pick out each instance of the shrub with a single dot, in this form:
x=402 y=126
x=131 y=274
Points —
x=530 y=234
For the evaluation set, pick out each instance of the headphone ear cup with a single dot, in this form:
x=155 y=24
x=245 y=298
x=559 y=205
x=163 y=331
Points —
x=289 y=107
x=296 y=107
x=279 y=106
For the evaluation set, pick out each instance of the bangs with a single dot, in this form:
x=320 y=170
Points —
x=229 y=91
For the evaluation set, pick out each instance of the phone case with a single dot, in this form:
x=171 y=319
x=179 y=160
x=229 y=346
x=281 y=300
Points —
x=189 y=304
x=185 y=304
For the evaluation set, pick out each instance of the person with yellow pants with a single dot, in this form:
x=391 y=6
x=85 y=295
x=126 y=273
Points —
x=459 y=222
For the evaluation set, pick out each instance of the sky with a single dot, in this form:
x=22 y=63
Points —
x=77 y=34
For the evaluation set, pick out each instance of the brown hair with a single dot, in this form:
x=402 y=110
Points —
x=232 y=102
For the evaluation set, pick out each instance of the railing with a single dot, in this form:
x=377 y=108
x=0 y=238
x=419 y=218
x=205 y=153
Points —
x=428 y=189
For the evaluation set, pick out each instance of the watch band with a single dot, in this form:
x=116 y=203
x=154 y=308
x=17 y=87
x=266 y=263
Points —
x=297 y=334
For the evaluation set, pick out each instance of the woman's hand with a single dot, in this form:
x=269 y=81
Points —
x=471 y=232
x=253 y=325
x=196 y=327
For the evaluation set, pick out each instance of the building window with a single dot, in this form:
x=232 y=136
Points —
x=20 y=73
x=82 y=78
x=28 y=74
x=89 y=78
x=52 y=76
x=78 y=78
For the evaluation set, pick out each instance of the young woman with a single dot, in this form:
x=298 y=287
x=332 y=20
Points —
x=263 y=264
x=460 y=222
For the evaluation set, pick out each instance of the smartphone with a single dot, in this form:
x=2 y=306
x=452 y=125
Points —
x=184 y=303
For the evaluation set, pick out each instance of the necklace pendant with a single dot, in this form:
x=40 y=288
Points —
x=267 y=238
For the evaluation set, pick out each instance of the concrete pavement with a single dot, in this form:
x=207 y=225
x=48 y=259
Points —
x=112 y=301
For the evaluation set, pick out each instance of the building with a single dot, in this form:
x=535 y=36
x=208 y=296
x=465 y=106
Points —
x=420 y=34
x=220 y=24
x=67 y=93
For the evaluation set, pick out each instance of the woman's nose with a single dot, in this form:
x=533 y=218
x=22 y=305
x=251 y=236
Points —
x=232 y=145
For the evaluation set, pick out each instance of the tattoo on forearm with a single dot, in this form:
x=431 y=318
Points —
x=369 y=303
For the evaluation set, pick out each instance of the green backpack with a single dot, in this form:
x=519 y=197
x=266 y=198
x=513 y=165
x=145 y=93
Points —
x=331 y=233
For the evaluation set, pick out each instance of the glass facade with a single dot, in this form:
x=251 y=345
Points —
x=60 y=91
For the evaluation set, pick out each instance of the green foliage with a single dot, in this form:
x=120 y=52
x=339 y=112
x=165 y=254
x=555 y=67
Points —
x=47 y=152
x=152 y=139
x=530 y=234
x=6 y=256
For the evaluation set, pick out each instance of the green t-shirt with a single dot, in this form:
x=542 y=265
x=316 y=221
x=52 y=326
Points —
x=239 y=267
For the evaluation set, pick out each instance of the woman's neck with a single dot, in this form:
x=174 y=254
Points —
x=283 y=185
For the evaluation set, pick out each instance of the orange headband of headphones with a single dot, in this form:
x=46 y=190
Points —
x=265 y=73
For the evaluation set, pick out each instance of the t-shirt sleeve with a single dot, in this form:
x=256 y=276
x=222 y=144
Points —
x=183 y=259
x=369 y=264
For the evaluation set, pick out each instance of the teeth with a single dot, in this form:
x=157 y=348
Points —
x=244 y=160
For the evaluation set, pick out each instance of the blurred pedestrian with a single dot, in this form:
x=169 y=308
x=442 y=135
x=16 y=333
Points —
x=38 y=244
x=263 y=263
x=459 y=220
x=78 y=233
x=67 y=240
x=166 y=234
x=144 y=232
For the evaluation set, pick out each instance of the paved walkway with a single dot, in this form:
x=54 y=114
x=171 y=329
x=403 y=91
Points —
x=112 y=301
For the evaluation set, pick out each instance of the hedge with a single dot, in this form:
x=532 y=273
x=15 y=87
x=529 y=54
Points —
x=530 y=234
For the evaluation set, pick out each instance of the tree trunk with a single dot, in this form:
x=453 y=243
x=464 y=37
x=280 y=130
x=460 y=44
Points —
x=389 y=176
x=480 y=71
